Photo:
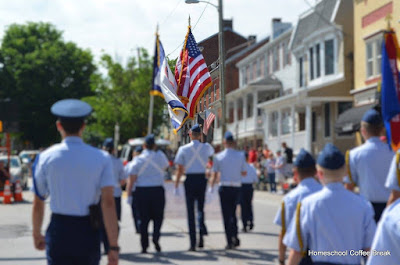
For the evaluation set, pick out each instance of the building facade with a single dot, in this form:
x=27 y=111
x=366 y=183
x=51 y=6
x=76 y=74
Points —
x=322 y=45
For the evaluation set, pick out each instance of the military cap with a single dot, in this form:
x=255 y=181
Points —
x=373 y=117
x=108 y=143
x=71 y=109
x=331 y=157
x=149 y=139
x=196 y=128
x=304 y=159
x=138 y=149
x=228 y=136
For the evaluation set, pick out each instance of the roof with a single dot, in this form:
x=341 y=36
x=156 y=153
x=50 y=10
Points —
x=320 y=16
x=266 y=81
x=246 y=50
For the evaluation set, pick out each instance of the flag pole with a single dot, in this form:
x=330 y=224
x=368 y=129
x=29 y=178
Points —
x=151 y=107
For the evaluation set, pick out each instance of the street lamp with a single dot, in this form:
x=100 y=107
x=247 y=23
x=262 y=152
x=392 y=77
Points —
x=221 y=60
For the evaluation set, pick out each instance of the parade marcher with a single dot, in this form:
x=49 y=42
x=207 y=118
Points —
x=304 y=169
x=120 y=179
x=368 y=165
x=147 y=173
x=333 y=220
x=74 y=175
x=246 y=196
x=132 y=200
x=192 y=159
x=393 y=179
x=386 y=243
x=288 y=159
x=229 y=168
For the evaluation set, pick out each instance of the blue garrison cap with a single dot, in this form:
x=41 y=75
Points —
x=196 y=128
x=228 y=136
x=372 y=117
x=71 y=109
x=138 y=149
x=331 y=157
x=304 y=159
x=108 y=143
x=149 y=140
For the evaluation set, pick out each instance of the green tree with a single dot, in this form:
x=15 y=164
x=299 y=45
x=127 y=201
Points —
x=38 y=68
x=122 y=96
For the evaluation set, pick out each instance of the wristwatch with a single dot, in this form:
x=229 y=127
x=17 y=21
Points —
x=114 y=248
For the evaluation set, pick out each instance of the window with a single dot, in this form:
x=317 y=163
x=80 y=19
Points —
x=275 y=58
x=314 y=127
x=266 y=64
x=244 y=76
x=240 y=109
x=254 y=70
x=311 y=51
x=318 y=60
x=286 y=54
x=343 y=106
x=327 y=114
x=329 y=57
x=374 y=56
x=285 y=122
x=301 y=81
x=258 y=67
x=248 y=74
x=249 y=105
x=215 y=92
x=274 y=124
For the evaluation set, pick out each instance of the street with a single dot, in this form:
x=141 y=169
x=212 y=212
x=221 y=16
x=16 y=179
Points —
x=257 y=247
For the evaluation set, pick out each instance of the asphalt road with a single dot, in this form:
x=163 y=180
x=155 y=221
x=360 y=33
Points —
x=257 y=247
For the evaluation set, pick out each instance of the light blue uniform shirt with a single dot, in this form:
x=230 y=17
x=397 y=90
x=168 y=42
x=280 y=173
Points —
x=369 y=165
x=149 y=167
x=305 y=188
x=392 y=182
x=333 y=219
x=230 y=163
x=119 y=174
x=387 y=238
x=73 y=173
x=128 y=169
x=251 y=176
x=194 y=157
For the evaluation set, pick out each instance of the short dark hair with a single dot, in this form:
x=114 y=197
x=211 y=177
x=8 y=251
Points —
x=196 y=134
x=307 y=171
x=372 y=129
x=150 y=146
x=72 y=126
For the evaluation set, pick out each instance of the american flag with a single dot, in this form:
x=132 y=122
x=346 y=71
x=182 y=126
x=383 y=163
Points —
x=208 y=121
x=191 y=74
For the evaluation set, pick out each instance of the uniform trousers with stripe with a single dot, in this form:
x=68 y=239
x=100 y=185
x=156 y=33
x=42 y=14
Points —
x=72 y=240
x=151 y=204
x=195 y=190
x=246 y=198
x=229 y=196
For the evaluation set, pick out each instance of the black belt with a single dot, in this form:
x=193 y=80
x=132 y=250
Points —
x=195 y=175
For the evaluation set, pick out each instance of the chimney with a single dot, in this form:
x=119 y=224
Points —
x=279 y=27
x=252 y=38
x=227 y=24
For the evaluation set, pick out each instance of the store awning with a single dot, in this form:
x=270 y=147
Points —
x=349 y=121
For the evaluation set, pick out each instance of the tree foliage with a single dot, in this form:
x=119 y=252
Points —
x=38 y=68
x=122 y=96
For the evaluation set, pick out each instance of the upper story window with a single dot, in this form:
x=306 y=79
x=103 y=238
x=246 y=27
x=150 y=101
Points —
x=373 y=56
x=258 y=67
x=243 y=76
x=317 y=60
x=266 y=64
x=301 y=71
x=329 y=57
x=275 y=58
x=209 y=95
x=286 y=54
x=311 y=51
x=254 y=71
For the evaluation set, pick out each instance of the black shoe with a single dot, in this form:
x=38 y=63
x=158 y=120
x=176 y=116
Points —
x=192 y=249
x=235 y=242
x=201 y=243
x=157 y=246
x=144 y=251
x=244 y=229
x=251 y=226
x=229 y=246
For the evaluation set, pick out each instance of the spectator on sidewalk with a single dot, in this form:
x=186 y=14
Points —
x=269 y=165
x=279 y=167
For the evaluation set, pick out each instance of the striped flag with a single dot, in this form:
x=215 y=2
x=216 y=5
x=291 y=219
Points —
x=210 y=116
x=191 y=74
x=164 y=85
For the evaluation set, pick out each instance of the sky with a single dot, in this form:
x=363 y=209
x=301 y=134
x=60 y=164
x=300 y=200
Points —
x=119 y=27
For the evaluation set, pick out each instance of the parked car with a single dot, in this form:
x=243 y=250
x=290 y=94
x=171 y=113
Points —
x=28 y=156
x=16 y=170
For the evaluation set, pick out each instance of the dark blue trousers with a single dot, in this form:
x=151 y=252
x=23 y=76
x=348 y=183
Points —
x=103 y=233
x=151 y=203
x=330 y=263
x=379 y=207
x=246 y=198
x=229 y=197
x=195 y=190
x=71 y=240
x=272 y=183
x=135 y=212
